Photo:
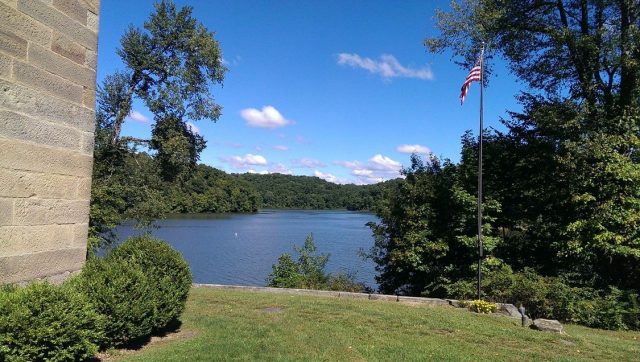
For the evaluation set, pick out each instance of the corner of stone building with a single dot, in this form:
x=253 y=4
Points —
x=47 y=112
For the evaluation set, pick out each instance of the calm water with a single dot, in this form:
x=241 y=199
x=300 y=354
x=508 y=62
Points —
x=241 y=248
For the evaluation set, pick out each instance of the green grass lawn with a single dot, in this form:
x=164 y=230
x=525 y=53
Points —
x=240 y=325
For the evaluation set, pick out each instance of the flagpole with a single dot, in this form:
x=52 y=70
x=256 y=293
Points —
x=480 y=171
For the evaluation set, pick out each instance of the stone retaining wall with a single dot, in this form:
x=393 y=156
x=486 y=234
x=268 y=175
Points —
x=47 y=99
x=325 y=293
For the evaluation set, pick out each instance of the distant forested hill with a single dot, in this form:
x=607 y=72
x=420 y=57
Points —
x=305 y=192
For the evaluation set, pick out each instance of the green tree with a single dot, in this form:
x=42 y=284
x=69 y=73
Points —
x=585 y=49
x=566 y=171
x=426 y=237
x=170 y=65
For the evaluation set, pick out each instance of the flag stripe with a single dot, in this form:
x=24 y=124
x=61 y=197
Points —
x=474 y=76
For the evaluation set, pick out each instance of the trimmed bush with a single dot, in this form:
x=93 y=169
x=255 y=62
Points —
x=120 y=291
x=42 y=322
x=168 y=274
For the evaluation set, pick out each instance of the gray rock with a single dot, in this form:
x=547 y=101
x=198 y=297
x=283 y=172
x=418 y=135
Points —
x=549 y=325
x=509 y=310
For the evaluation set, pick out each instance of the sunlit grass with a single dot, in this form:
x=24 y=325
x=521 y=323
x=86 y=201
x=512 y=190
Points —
x=225 y=325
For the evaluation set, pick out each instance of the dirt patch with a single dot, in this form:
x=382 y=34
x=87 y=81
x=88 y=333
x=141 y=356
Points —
x=114 y=355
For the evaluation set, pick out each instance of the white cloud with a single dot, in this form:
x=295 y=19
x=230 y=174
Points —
x=193 y=128
x=307 y=163
x=380 y=162
x=280 y=168
x=261 y=172
x=280 y=148
x=268 y=117
x=138 y=117
x=387 y=66
x=413 y=149
x=377 y=169
x=326 y=176
x=246 y=161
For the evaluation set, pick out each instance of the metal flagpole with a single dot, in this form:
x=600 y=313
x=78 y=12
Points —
x=480 y=171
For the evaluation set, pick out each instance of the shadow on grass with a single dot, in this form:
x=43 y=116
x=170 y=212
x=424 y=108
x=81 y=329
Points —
x=172 y=328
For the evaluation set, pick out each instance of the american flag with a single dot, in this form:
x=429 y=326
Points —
x=474 y=75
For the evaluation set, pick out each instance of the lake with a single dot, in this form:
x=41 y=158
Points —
x=241 y=248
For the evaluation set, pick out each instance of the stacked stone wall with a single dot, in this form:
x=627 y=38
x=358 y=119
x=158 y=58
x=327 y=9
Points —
x=47 y=100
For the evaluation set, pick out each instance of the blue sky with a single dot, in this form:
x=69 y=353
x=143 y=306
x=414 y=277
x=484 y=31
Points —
x=336 y=89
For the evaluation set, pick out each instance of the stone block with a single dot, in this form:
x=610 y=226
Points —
x=350 y=295
x=420 y=300
x=19 y=155
x=83 y=189
x=53 y=84
x=73 y=9
x=80 y=234
x=86 y=146
x=92 y=21
x=13 y=45
x=91 y=60
x=20 y=98
x=14 y=21
x=50 y=211
x=17 y=126
x=18 y=240
x=91 y=5
x=6 y=63
x=68 y=48
x=60 y=22
x=387 y=297
x=57 y=64
x=6 y=211
x=12 y=3
x=89 y=98
x=19 y=184
x=19 y=268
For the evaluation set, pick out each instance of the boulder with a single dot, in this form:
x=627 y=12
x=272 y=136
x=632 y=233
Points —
x=549 y=325
x=509 y=310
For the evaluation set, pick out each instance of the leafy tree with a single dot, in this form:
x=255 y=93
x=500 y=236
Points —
x=426 y=237
x=170 y=65
x=585 y=49
x=566 y=171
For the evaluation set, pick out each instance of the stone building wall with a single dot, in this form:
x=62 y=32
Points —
x=47 y=100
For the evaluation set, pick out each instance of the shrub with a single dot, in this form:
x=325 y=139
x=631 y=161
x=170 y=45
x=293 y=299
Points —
x=555 y=298
x=167 y=271
x=307 y=272
x=120 y=291
x=345 y=282
x=44 y=322
x=285 y=274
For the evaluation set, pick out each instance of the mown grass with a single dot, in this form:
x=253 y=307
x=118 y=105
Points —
x=239 y=325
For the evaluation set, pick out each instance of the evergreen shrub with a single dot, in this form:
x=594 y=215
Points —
x=43 y=322
x=121 y=292
x=168 y=274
